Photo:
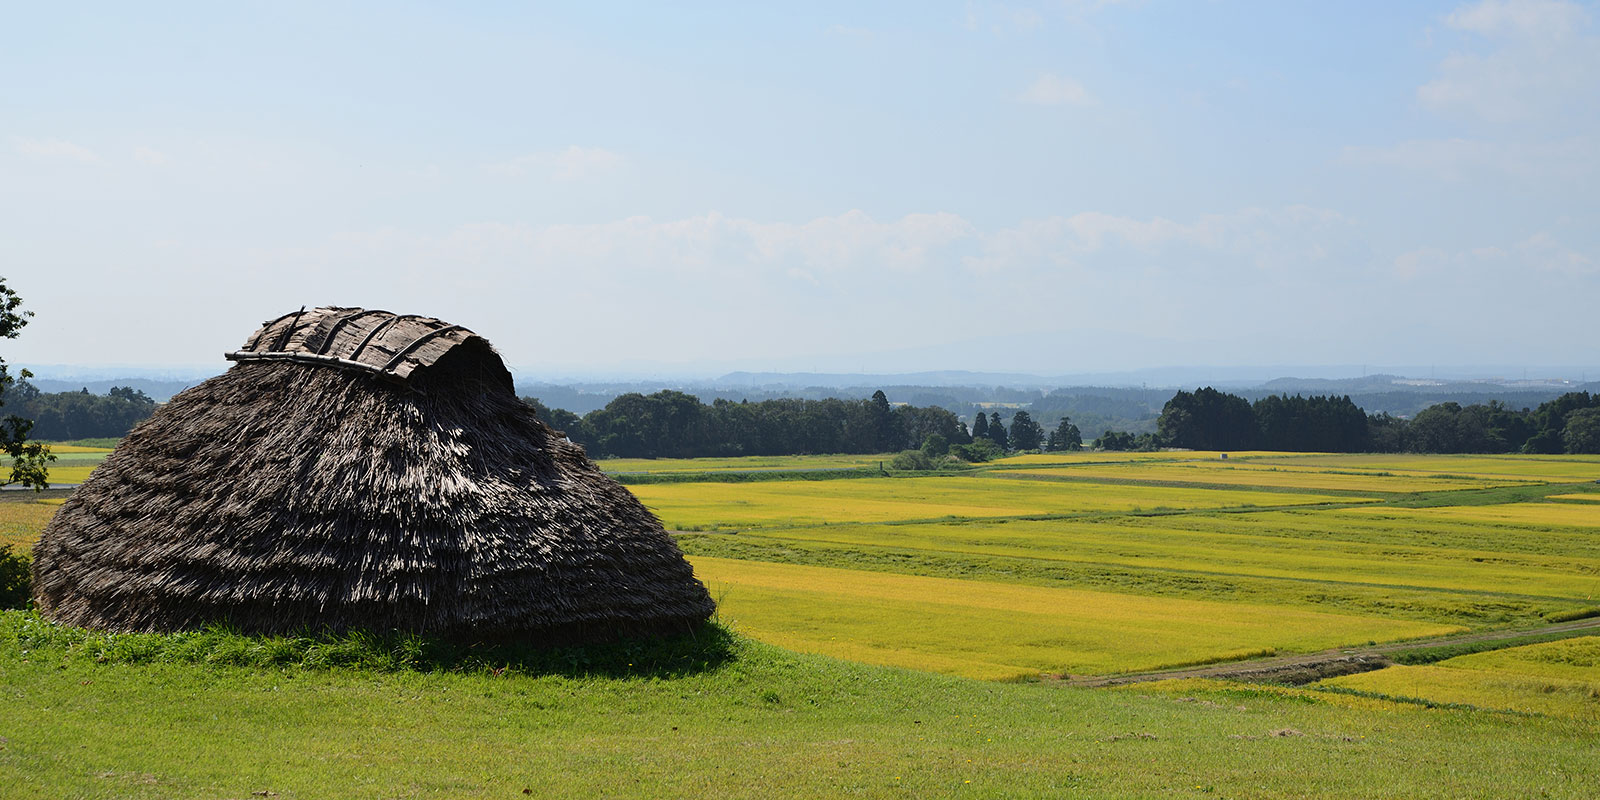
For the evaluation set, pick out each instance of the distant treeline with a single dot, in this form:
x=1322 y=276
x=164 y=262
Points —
x=78 y=415
x=1207 y=419
x=671 y=424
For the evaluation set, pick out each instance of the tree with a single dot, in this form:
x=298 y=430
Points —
x=997 y=431
x=28 y=460
x=980 y=427
x=880 y=421
x=1065 y=437
x=1582 y=434
x=1207 y=420
x=1025 y=433
x=559 y=419
x=1114 y=440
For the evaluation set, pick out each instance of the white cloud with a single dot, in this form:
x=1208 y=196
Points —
x=1543 y=18
x=1541 y=252
x=1054 y=90
x=151 y=156
x=1539 y=65
x=572 y=163
x=1460 y=159
x=54 y=148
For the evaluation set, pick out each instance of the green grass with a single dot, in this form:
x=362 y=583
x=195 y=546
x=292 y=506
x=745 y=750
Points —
x=761 y=723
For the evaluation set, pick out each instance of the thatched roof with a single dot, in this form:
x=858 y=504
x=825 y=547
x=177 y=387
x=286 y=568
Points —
x=360 y=470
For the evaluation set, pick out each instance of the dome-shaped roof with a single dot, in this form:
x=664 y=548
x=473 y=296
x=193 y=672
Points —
x=297 y=493
x=384 y=343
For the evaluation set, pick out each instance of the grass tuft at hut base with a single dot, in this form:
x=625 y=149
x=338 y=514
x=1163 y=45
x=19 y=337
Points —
x=709 y=646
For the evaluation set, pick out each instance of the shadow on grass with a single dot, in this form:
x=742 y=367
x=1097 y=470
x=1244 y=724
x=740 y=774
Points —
x=705 y=648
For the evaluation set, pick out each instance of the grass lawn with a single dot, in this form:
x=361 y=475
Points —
x=761 y=723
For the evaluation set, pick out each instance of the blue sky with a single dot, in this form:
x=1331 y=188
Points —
x=1053 y=187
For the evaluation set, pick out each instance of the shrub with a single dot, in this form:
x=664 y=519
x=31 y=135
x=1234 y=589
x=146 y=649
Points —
x=980 y=450
x=16 y=578
x=912 y=460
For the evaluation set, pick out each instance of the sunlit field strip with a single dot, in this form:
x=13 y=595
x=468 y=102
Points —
x=1555 y=468
x=753 y=463
x=1158 y=547
x=1286 y=478
x=1560 y=679
x=997 y=631
x=77 y=448
x=1533 y=515
x=21 y=522
x=1112 y=457
x=1585 y=498
x=1401 y=527
x=697 y=505
x=1575 y=659
x=70 y=474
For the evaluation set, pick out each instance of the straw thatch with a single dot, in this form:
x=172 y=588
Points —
x=362 y=470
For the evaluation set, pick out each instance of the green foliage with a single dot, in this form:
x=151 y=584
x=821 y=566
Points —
x=1065 y=438
x=997 y=432
x=29 y=460
x=1124 y=441
x=935 y=446
x=981 y=450
x=707 y=647
x=1310 y=424
x=1025 y=433
x=1582 y=431
x=671 y=424
x=66 y=416
x=1207 y=419
x=559 y=419
x=16 y=578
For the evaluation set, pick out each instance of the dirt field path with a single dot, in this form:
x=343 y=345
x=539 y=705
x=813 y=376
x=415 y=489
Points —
x=1308 y=667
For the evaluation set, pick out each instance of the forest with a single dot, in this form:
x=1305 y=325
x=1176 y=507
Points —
x=674 y=424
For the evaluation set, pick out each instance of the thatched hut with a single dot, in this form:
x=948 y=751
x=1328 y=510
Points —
x=360 y=469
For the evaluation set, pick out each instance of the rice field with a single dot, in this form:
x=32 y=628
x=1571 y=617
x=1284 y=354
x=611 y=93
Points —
x=1218 y=553
x=1241 y=473
x=1140 y=561
x=1007 y=631
x=1553 y=468
x=21 y=522
x=1558 y=679
x=695 y=506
